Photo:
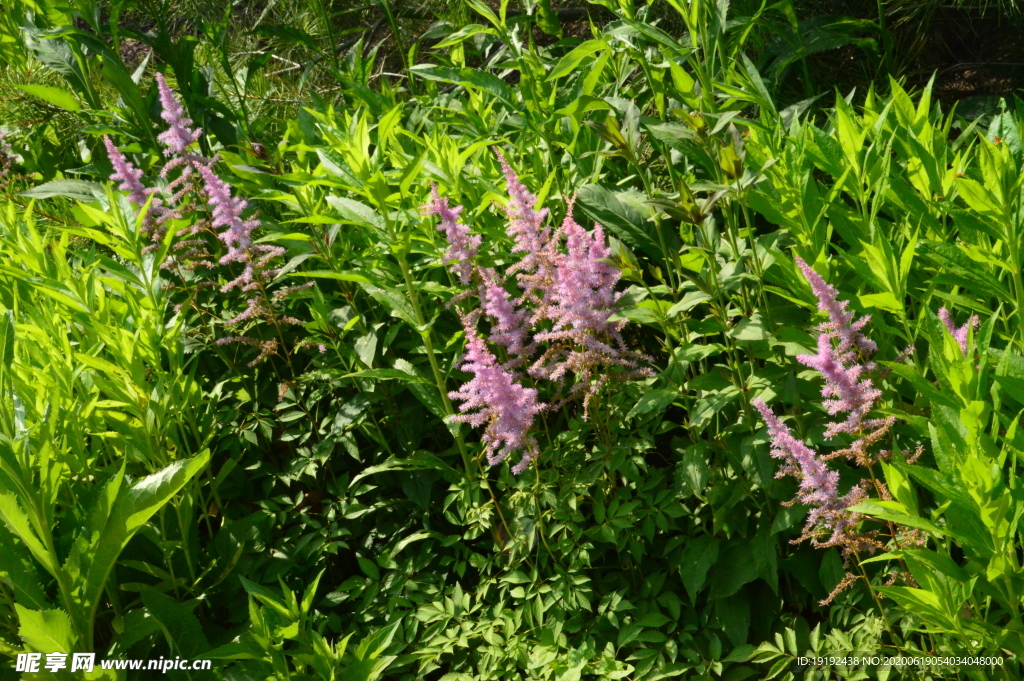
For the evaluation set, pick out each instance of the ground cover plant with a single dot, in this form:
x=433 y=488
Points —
x=508 y=340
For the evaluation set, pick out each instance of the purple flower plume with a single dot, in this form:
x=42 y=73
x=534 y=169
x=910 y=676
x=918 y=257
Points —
x=462 y=245
x=509 y=328
x=227 y=214
x=526 y=227
x=501 y=404
x=196 y=176
x=130 y=177
x=840 y=322
x=842 y=367
x=819 y=486
x=959 y=335
x=583 y=296
x=558 y=325
x=179 y=136
x=843 y=383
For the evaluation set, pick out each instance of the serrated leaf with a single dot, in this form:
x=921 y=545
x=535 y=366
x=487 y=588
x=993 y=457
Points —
x=45 y=631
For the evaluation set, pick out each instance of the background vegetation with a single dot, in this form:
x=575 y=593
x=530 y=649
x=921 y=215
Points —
x=269 y=475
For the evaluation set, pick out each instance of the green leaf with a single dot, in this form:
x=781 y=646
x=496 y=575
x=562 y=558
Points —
x=463 y=34
x=18 y=523
x=388 y=374
x=954 y=267
x=53 y=95
x=19 y=572
x=7 y=339
x=45 y=631
x=267 y=598
x=78 y=190
x=138 y=624
x=467 y=77
x=749 y=329
x=876 y=510
x=922 y=385
x=337 y=276
x=602 y=206
x=395 y=302
x=357 y=212
x=655 y=400
x=736 y=568
x=699 y=555
x=132 y=509
x=571 y=61
x=179 y=625
x=883 y=301
x=694 y=467
x=547 y=20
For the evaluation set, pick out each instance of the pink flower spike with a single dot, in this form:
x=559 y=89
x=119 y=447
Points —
x=509 y=328
x=495 y=400
x=818 y=484
x=130 y=178
x=525 y=224
x=179 y=136
x=227 y=213
x=462 y=245
x=843 y=383
x=127 y=174
x=840 y=322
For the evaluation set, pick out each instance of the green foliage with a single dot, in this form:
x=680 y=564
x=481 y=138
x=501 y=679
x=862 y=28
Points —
x=153 y=480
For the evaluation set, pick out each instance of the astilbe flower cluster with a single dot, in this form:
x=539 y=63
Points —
x=495 y=399
x=844 y=361
x=557 y=330
x=191 y=182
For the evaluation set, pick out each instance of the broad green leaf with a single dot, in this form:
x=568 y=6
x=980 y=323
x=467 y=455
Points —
x=736 y=568
x=7 y=339
x=699 y=555
x=602 y=206
x=749 y=329
x=268 y=598
x=338 y=276
x=571 y=61
x=20 y=573
x=953 y=266
x=876 y=510
x=395 y=302
x=357 y=212
x=178 y=623
x=463 y=34
x=45 y=631
x=883 y=301
x=654 y=400
x=21 y=527
x=388 y=374
x=134 y=506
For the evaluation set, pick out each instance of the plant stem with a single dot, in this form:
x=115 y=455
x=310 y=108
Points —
x=424 y=332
